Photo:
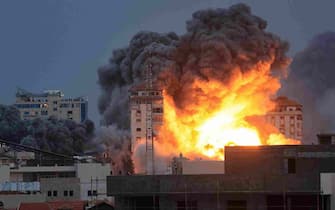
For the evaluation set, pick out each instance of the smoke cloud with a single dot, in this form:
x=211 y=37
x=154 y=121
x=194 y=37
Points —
x=311 y=83
x=218 y=45
x=59 y=136
x=126 y=68
x=117 y=144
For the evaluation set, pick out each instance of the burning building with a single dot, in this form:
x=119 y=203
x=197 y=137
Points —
x=146 y=118
x=139 y=97
x=287 y=117
x=217 y=80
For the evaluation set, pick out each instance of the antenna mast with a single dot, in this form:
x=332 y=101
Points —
x=149 y=143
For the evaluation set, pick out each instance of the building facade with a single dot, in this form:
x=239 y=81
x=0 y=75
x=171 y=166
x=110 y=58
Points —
x=279 y=177
x=139 y=98
x=287 y=117
x=50 y=103
x=78 y=181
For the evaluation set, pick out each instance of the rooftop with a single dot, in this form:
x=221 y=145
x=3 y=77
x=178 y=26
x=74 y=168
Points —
x=143 y=86
x=24 y=93
x=284 y=101
x=74 y=205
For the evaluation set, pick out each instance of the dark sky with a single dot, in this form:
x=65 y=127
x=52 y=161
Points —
x=59 y=44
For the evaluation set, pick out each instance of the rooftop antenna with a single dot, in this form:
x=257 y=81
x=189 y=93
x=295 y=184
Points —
x=149 y=143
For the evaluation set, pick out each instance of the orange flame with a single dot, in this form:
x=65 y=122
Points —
x=223 y=114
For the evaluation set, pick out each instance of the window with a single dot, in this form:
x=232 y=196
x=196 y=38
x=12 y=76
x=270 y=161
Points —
x=55 y=109
x=64 y=105
x=138 y=120
x=55 y=102
x=69 y=112
x=49 y=193
x=26 y=113
x=55 y=193
x=65 y=193
x=44 y=113
x=158 y=110
x=138 y=129
x=71 y=193
x=292 y=120
x=290 y=166
x=92 y=193
x=28 y=106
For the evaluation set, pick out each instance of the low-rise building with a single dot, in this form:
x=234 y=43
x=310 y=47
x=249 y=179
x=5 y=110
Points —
x=79 y=181
x=256 y=177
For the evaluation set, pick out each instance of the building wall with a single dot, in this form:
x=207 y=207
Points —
x=308 y=160
x=13 y=201
x=200 y=201
x=66 y=188
x=184 y=166
x=93 y=177
x=327 y=181
x=4 y=173
x=138 y=111
x=48 y=104
x=140 y=102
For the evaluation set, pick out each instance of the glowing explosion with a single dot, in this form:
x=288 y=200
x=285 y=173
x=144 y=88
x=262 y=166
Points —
x=224 y=114
x=218 y=80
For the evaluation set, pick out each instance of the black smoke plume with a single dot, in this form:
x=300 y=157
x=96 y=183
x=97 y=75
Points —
x=59 y=136
x=217 y=42
x=117 y=144
x=310 y=81
x=126 y=68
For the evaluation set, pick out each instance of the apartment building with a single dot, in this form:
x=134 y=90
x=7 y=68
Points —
x=140 y=96
x=287 y=117
x=50 y=103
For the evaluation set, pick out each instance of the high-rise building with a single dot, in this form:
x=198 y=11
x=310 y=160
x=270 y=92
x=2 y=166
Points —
x=146 y=110
x=50 y=103
x=287 y=117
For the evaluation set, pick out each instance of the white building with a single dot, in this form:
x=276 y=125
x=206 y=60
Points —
x=50 y=103
x=81 y=181
x=139 y=98
x=287 y=117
